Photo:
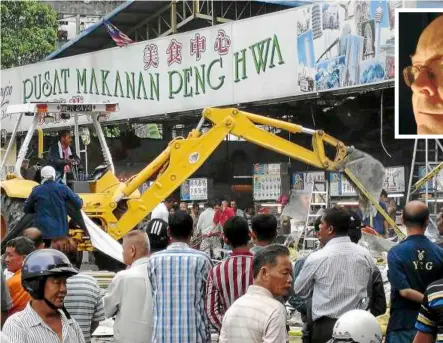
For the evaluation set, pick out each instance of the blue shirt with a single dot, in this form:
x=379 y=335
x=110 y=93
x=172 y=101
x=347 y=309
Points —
x=378 y=222
x=48 y=202
x=178 y=276
x=414 y=263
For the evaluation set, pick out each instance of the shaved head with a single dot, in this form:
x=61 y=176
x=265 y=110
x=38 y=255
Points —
x=135 y=245
x=430 y=44
x=427 y=97
x=416 y=215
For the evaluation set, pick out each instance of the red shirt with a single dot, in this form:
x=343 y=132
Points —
x=227 y=282
x=221 y=216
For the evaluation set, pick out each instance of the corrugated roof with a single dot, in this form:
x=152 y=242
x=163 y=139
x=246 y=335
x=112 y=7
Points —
x=124 y=17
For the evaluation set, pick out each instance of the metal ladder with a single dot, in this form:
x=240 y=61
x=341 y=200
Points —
x=319 y=201
x=427 y=156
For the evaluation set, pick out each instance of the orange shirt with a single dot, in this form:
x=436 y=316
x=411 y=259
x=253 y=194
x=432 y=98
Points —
x=19 y=297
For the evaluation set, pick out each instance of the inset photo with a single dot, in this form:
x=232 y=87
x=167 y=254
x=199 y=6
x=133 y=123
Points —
x=419 y=70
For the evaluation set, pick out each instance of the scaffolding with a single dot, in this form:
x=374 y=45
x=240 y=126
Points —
x=426 y=176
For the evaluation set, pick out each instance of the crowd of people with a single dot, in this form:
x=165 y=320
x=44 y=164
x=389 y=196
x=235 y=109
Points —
x=172 y=292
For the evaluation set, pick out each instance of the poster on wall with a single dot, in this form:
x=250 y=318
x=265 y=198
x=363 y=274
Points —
x=302 y=182
x=340 y=186
x=314 y=48
x=266 y=181
x=194 y=189
x=436 y=183
x=394 y=182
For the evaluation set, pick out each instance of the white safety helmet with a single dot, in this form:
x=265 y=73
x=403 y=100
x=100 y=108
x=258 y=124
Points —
x=357 y=326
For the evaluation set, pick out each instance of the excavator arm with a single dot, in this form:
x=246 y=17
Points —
x=183 y=157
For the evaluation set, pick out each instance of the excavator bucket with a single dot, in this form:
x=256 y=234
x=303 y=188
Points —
x=368 y=172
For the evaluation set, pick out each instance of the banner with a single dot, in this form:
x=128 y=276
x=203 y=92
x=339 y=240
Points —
x=312 y=48
x=394 y=183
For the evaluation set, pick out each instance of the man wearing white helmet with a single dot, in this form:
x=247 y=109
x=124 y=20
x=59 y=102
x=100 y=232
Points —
x=48 y=202
x=356 y=326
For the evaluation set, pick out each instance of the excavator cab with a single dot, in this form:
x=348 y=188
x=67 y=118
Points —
x=17 y=188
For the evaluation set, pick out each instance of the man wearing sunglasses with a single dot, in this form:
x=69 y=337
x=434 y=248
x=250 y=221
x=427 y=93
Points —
x=425 y=77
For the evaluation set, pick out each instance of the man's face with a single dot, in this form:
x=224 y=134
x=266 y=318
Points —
x=325 y=233
x=440 y=224
x=384 y=199
x=183 y=206
x=14 y=261
x=280 y=277
x=225 y=204
x=55 y=290
x=233 y=204
x=168 y=205
x=427 y=96
x=67 y=140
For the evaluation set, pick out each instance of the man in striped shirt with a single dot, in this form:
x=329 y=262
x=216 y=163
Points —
x=178 y=276
x=337 y=276
x=430 y=318
x=84 y=303
x=230 y=279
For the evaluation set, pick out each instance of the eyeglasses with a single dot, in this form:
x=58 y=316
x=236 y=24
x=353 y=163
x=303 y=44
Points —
x=411 y=73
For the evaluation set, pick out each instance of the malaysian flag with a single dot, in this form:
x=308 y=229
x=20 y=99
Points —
x=117 y=36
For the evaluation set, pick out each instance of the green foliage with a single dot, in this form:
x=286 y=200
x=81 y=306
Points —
x=28 y=32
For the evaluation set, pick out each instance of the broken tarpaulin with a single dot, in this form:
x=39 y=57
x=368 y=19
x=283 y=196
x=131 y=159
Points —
x=102 y=241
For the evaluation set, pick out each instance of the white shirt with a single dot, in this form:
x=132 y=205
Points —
x=205 y=222
x=337 y=277
x=27 y=326
x=160 y=212
x=3 y=338
x=256 y=317
x=129 y=297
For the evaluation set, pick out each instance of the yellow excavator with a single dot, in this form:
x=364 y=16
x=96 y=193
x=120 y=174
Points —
x=119 y=207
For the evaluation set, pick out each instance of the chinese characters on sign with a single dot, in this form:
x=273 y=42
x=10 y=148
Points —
x=174 y=52
x=222 y=43
x=150 y=56
x=194 y=189
x=267 y=181
x=198 y=45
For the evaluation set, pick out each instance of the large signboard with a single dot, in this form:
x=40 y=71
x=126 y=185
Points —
x=394 y=182
x=313 y=48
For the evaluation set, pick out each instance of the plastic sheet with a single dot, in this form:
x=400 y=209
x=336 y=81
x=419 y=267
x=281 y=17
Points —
x=377 y=246
x=370 y=173
x=102 y=241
